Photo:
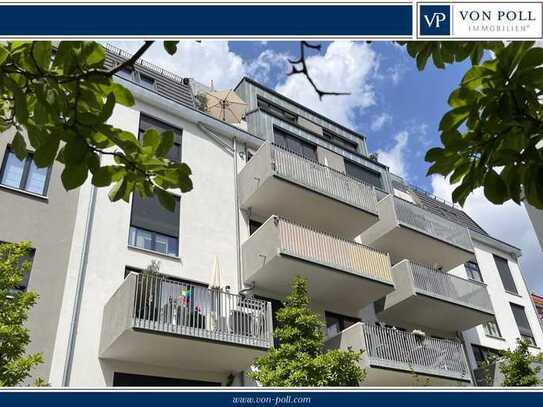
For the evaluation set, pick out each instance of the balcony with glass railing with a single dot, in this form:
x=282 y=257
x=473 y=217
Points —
x=431 y=298
x=393 y=357
x=341 y=273
x=408 y=231
x=155 y=320
x=281 y=182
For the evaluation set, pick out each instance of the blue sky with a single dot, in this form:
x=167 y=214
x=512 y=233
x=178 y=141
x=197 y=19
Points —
x=394 y=105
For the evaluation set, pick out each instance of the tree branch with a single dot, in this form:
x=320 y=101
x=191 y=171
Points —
x=301 y=61
x=133 y=59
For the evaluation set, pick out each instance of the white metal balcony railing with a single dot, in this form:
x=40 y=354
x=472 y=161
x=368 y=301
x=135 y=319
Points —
x=303 y=242
x=164 y=305
x=395 y=349
x=323 y=179
x=451 y=287
x=431 y=224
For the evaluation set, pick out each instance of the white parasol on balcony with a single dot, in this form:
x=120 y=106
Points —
x=226 y=105
x=215 y=285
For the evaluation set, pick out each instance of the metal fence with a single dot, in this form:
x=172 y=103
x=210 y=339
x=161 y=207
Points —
x=321 y=178
x=301 y=241
x=436 y=282
x=395 y=349
x=431 y=224
x=173 y=307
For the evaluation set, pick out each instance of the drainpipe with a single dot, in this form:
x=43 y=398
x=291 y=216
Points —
x=79 y=289
x=233 y=150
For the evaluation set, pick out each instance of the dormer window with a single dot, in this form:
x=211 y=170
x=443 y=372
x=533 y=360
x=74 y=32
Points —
x=146 y=81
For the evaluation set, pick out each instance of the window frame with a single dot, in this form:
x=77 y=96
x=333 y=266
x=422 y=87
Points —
x=523 y=329
x=27 y=163
x=281 y=113
x=483 y=351
x=340 y=141
x=153 y=241
x=178 y=132
x=341 y=319
x=506 y=263
x=489 y=331
x=469 y=271
x=304 y=143
x=369 y=170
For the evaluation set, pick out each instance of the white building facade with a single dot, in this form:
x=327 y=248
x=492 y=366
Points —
x=415 y=283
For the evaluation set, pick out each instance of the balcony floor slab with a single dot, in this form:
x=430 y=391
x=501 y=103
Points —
x=344 y=291
x=277 y=196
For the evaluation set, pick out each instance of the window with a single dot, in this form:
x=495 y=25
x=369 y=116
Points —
x=295 y=144
x=276 y=110
x=522 y=323
x=363 y=174
x=492 y=329
x=146 y=81
x=483 y=354
x=336 y=323
x=147 y=123
x=505 y=274
x=24 y=175
x=153 y=227
x=340 y=141
x=473 y=271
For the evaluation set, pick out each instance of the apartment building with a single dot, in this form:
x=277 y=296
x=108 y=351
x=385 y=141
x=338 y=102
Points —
x=538 y=304
x=414 y=282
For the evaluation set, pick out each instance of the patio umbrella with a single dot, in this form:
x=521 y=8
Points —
x=215 y=285
x=226 y=105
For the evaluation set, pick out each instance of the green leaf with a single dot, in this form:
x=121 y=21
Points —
x=167 y=139
x=454 y=118
x=117 y=192
x=18 y=145
x=42 y=54
x=103 y=176
x=151 y=140
x=495 y=188
x=461 y=193
x=75 y=151
x=434 y=154
x=4 y=53
x=107 y=110
x=46 y=153
x=531 y=59
x=74 y=176
x=166 y=199
x=171 y=47
x=122 y=95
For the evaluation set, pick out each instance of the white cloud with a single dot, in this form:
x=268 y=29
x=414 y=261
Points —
x=508 y=222
x=395 y=157
x=204 y=61
x=346 y=67
x=379 y=121
x=267 y=65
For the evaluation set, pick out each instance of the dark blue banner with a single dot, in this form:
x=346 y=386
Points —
x=206 y=20
x=116 y=398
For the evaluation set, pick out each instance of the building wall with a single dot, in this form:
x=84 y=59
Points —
x=501 y=300
x=206 y=229
x=48 y=223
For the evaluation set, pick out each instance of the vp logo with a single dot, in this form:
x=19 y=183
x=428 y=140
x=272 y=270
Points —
x=434 y=20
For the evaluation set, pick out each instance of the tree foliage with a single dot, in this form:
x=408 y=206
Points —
x=493 y=134
x=517 y=366
x=15 y=364
x=300 y=358
x=61 y=97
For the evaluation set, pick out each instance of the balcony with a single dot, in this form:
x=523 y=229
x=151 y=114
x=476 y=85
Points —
x=434 y=299
x=395 y=358
x=278 y=181
x=407 y=231
x=158 y=321
x=342 y=274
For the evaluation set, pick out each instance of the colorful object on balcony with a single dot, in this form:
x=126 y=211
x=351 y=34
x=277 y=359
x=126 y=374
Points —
x=184 y=298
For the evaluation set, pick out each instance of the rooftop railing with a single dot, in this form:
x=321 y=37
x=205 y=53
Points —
x=431 y=224
x=168 y=306
x=395 y=349
x=451 y=287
